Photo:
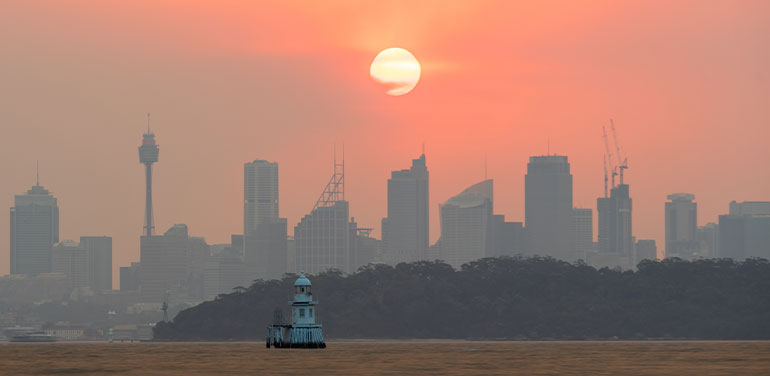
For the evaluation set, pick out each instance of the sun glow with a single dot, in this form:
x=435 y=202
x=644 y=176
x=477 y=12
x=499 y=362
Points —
x=397 y=69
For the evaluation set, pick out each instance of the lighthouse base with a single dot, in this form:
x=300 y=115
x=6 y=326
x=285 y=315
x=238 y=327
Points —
x=295 y=337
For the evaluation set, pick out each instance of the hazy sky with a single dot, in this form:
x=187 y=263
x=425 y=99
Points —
x=687 y=82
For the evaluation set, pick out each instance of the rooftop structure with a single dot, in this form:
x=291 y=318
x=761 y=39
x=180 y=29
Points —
x=148 y=155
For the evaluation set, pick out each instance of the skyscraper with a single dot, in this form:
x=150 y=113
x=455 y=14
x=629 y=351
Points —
x=322 y=239
x=582 y=232
x=548 y=207
x=405 y=230
x=264 y=232
x=34 y=230
x=148 y=154
x=615 y=230
x=467 y=225
x=260 y=194
x=99 y=251
x=681 y=225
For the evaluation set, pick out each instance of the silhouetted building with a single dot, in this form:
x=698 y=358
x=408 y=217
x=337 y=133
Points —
x=405 y=230
x=708 y=239
x=467 y=225
x=548 y=207
x=366 y=249
x=129 y=277
x=322 y=238
x=34 y=230
x=615 y=231
x=226 y=270
x=646 y=250
x=164 y=263
x=99 y=251
x=265 y=249
x=71 y=259
x=582 y=232
x=508 y=237
x=264 y=232
x=745 y=235
x=681 y=225
x=260 y=194
x=753 y=208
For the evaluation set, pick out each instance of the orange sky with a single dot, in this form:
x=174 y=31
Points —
x=687 y=82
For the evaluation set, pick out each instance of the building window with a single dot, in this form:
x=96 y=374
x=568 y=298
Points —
x=301 y=312
x=311 y=312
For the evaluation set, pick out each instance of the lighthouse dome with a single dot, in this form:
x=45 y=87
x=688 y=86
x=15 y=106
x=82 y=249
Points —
x=302 y=280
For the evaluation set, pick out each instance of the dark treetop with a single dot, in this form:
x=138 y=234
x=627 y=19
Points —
x=506 y=298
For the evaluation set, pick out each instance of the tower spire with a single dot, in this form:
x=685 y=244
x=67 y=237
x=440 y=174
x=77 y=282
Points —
x=148 y=123
x=37 y=173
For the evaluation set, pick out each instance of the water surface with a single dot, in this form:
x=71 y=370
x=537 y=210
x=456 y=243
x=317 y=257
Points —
x=391 y=358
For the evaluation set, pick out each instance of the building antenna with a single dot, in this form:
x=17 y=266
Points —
x=423 y=147
x=148 y=123
x=37 y=173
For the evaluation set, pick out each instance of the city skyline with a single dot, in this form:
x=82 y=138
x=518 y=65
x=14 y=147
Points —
x=100 y=190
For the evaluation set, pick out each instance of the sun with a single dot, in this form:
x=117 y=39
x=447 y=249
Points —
x=397 y=69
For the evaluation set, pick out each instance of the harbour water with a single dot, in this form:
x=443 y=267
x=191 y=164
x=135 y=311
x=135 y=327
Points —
x=700 y=358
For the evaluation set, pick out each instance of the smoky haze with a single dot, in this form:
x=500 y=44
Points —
x=230 y=82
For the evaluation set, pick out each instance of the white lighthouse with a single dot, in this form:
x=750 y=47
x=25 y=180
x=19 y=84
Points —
x=303 y=332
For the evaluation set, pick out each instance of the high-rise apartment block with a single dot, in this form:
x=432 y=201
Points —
x=405 y=230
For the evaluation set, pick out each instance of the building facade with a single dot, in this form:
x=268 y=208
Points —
x=548 y=207
x=615 y=238
x=582 y=232
x=99 y=251
x=681 y=226
x=34 y=230
x=467 y=225
x=405 y=231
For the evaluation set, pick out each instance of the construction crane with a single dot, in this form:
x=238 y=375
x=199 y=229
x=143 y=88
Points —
x=608 y=156
x=622 y=164
x=605 y=175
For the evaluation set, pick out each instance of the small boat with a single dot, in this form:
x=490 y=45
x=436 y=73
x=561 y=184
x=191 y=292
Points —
x=33 y=337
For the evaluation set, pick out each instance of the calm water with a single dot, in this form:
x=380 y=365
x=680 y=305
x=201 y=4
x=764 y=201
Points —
x=392 y=358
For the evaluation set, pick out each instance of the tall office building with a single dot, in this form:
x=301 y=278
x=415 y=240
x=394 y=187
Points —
x=34 y=231
x=264 y=232
x=646 y=250
x=681 y=225
x=548 y=207
x=129 y=277
x=322 y=239
x=615 y=231
x=148 y=155
x=405 y=230
x=99 y=252
x=467 y=227
x=260 y=194
x=753 y=208
x=582 y=233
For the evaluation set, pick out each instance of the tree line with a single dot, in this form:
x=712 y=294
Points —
x=509 y=298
